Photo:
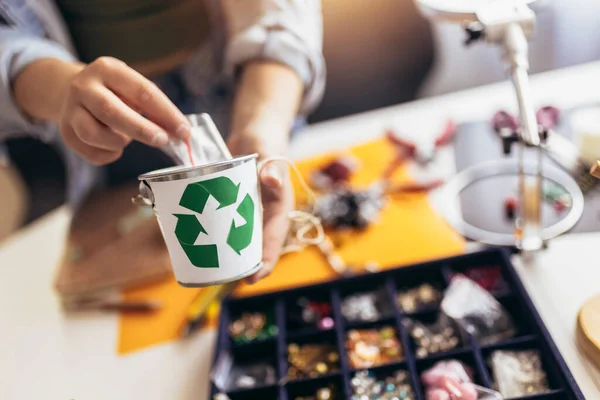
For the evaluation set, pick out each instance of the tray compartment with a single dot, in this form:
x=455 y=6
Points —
x=411 y=280
x=306 y=311
x=365 y=300
x=554 y=377
x=309 y=387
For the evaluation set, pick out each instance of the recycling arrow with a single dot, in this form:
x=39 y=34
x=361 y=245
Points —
x=188 y=228
x=221 y=188
x=239 y=238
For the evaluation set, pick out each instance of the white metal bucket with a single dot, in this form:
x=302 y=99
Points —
x=210 y=217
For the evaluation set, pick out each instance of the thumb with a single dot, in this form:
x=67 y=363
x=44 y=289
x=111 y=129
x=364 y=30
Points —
x=271 y=176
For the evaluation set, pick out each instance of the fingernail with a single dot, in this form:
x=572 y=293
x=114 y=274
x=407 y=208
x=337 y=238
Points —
x=183 y=131
x=273 y=172
x=160 y=139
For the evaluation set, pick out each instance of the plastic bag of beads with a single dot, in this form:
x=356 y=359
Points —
x=518 y=373
x=476 y=311
x=453 y=380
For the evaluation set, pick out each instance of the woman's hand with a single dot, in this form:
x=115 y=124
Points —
x=100 y=107
x=277 y=199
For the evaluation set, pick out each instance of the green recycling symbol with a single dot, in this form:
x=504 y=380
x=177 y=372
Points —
x=188 y=227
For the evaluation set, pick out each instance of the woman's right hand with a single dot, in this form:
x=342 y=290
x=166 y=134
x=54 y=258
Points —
x=107 y=104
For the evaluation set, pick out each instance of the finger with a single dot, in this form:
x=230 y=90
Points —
x=275 y=230
x=277 y=201
x=92 y=154
x=143 y=95
x=90 y=131
x=270 y=177
x=105 y=106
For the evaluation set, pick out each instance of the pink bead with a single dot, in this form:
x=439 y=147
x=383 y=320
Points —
x=437 y=394
x=326 y=323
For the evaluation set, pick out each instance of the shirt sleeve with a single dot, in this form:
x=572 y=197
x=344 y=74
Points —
x=286 y=31
x=17 y=51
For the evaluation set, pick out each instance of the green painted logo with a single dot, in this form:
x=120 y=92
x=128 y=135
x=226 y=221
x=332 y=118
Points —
x=188 y=227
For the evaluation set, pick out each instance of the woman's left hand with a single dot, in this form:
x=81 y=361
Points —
x=277 y=199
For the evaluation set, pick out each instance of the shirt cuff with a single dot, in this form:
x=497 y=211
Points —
x=16 y=53
x=275 y=43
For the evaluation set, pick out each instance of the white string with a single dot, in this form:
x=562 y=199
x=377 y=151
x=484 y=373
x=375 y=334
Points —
x=307 y=221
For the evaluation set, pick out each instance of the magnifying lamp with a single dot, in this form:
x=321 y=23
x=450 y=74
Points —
x=509 y=24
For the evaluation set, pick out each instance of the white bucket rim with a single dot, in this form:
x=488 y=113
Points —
x=182 y=172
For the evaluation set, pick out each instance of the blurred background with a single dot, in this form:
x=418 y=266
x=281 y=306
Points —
x=378 y=53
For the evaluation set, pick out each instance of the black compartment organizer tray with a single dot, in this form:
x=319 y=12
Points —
x=273 y=349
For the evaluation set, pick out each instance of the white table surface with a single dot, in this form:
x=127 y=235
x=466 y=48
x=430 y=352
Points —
x=46 y=355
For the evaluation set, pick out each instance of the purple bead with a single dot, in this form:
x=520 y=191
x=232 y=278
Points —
x=326 y=323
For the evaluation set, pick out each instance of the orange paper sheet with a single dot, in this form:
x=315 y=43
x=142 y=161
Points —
x=409 y=231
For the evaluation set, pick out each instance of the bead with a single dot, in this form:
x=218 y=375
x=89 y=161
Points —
x=293 y=348
x=324 y=394
x=387 y=332
x=321 y=368
x=427 y=293
x=309 y=316
x=448 y=332
x=245 y=381
x=417 y=332
x=333 y=357
x=236 y=328
x=220 y=396
x=326 y=323
x=422 y=353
